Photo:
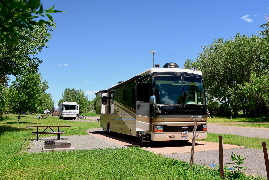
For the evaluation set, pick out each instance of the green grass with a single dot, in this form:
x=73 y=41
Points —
x=91 y=114
x=242 y=122
x=122 y=163
x=235 y=120
x=248 y=142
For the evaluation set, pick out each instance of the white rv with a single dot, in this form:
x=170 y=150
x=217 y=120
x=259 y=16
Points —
x=69 y=110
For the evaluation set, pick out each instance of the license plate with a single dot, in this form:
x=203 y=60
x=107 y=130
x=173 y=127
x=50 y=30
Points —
x=184 y=137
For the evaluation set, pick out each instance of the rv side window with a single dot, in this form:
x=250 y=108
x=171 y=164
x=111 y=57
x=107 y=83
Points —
x=124 y=95
x=104 y=100
x=133 y=95
x=143 y=92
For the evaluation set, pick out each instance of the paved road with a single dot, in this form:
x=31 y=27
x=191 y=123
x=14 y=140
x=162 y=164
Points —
x=235 y=130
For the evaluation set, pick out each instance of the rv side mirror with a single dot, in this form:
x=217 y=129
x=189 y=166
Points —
x=152 y=100
x=104 y=100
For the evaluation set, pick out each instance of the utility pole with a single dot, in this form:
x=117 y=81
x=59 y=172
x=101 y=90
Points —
x=152 y=57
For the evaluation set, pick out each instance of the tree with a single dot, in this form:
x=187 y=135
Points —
x=3 y=95
x=20 y=57
x=27 y=94
x=265 y=32
x=78 y=96
x=189 y=64
x=21 y=14
x=229 y=65
x=92 y=104
x=3 y=99
x=23 y=33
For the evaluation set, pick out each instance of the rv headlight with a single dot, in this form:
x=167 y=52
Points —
x=157 y=128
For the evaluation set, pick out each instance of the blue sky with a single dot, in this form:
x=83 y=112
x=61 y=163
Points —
x=100 y=42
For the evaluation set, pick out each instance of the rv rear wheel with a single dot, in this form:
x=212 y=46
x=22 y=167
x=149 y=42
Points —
x=108 y=128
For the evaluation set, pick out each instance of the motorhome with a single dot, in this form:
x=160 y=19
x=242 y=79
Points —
x=160 y=104
x=69 y=110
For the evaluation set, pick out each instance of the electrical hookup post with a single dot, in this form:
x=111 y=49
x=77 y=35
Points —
x=193 y=139
x=266 y=158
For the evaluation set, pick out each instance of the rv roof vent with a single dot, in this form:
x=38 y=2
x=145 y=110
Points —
x=171 y=65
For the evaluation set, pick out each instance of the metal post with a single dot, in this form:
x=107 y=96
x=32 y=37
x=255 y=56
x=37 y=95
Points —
x=221 y=157
x=152 y=57
x=37 y=133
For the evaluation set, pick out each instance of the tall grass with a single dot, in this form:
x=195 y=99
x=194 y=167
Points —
x=122 y=163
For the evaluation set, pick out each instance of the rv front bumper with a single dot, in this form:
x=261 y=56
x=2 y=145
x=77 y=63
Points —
x=69 y=115
x=177 y=136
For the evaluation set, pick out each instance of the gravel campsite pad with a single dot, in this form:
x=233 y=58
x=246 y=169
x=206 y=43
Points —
x=79 y=142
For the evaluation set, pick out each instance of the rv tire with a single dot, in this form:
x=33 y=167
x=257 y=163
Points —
x=184 y=142
x=108 y=128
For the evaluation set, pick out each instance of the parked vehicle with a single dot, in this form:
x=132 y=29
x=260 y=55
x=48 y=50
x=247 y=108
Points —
x=160 y=104
x=68 y=110
x=55 y=111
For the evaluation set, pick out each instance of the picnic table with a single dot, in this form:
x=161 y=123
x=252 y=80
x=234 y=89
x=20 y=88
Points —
x=42 y=116
x=48 y=127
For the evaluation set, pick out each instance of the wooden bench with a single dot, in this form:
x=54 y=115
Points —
x=58 y=132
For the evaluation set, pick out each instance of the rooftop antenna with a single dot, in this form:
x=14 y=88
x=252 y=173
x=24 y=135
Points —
x=152 y=57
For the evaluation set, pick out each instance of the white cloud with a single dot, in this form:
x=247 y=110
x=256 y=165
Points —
x=246 y=18
x=89 y=92
x=87 y=81
x=62 y=64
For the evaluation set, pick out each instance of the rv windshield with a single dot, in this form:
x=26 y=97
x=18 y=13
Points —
x=70 y=107
x=177 y=90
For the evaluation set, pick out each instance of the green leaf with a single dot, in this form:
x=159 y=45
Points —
x=50 y=17
x=40 y=9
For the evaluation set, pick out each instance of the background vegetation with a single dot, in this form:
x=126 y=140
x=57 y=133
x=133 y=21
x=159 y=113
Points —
x=236 y=74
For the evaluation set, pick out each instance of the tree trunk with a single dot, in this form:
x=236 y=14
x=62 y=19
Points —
x=19 y=117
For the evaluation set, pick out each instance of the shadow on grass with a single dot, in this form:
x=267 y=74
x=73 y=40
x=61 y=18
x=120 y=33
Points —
x=255 y=120
x=4 y=129
x=2 y=118
x=16 y=122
